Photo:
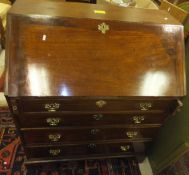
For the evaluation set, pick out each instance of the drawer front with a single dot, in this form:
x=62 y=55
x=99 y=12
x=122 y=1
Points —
x=53 y=136
x=57 y=105
x=79 y=150
x=34 y=120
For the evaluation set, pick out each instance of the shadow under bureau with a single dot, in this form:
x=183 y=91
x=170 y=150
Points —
x=93 y=82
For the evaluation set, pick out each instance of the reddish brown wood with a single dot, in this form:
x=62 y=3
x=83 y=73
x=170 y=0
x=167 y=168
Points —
x=87 y=104
x=80 y=150
x=69 y=56
x=33 y=120
x=75 y=135
x=59 y=64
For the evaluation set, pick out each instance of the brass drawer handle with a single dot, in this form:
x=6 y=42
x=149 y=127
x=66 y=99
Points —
x=138 y=119
x=94 y=131
x=103 y=27
x=92 y=146
x=97 y=116
x=145 y=106
x=53 y=121
x=125 y=148
x=132 y=134
x=101 y=103
x=54 y=152
x=52 y=107
x=54 y=137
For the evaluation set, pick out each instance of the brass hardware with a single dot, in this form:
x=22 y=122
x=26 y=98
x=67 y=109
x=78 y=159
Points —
x=54 y=152
x=145 y=106
x=138 y=119
x=125 y=148
x=14 y=106
x=52 y=107
x=97 y=116
x=54 y=137
x=94 y=131
x=132 y=134
x=92 y=145
x=53 y=121
x=103 y=27
x=101 y=103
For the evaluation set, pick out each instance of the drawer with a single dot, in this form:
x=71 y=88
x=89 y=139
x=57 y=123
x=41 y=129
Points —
x=79 y=150
x=34 y=120
x=53 y=136
x=59 y=105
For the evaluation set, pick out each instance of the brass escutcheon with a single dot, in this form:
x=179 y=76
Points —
x=54 y=137
x=103 y=27
x=54 y=152
x=132 y=134
x=97 y=116
x=145 y=106
x=125 y=148
x=138 y=119
x=101 y=103
x=52 y=107
x=53 y=121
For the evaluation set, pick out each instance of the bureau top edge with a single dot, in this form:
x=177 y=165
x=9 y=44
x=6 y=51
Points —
x=52 y=9
x=97 y=97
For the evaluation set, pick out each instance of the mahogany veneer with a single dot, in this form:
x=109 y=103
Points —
x=96 y=81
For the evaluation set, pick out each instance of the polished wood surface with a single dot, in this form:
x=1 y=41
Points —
x=91 y=104
x=131 y=59
x=93 y=150
x=74 y=135
x=97 y=76
x=80 y=150
x=52 y=9
x=33 y=120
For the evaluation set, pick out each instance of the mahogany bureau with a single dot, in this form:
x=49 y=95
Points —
x=93 y=82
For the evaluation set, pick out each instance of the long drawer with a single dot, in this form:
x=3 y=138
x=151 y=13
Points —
x=52 y=136
x=35 y=120
x=80 y=150
x=55 y=105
